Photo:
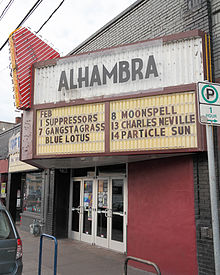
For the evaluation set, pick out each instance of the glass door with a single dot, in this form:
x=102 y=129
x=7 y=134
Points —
x=76 y=210
x=102 y=205
x=117 y=215
x=87 y=213
x=98 y=212
x=81 y=212
x=111 y=214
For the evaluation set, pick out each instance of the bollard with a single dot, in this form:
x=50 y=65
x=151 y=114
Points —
x=55 y=252
x=140 y=261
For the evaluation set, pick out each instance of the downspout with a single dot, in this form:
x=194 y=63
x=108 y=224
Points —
x=209 y=8
x=215 y=129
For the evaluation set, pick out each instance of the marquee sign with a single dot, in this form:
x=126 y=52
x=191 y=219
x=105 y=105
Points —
x=98 y=75
x=160 y=122
x=126 y=100
x=122 y=70
x=77 y=129
x=153 y=123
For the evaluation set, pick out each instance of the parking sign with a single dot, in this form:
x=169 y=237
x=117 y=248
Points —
x=209 y=103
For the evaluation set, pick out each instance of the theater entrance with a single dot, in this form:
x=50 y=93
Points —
x=98 y=211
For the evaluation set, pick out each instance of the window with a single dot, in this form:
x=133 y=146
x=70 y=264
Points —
x=32 y=192
x=6 y=231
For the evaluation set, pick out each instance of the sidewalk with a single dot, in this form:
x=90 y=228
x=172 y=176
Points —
x=74 y=258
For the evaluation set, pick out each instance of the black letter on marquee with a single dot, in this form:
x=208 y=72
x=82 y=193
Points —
x=72 y=85
x=136 y=71
x=113 y=73
x=124 y=68
x=85 y=78
x=151 y=67
x=63 y=81
x=95 y=76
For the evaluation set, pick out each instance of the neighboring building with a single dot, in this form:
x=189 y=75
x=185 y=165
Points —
x=4 y=126
x=18 y=183
x=117 y=133
x=5 y=134
x=24 y=184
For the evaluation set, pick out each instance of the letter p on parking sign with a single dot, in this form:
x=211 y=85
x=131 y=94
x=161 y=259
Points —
x=210 y=93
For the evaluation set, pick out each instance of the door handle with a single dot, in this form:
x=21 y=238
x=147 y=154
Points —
x=108 y=213
x=79 y=209
x=119 y=213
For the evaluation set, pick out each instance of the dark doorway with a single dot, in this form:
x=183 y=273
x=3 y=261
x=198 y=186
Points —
x=61 y=203
x=15 y=195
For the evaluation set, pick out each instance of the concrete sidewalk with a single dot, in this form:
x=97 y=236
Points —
x=74 y=258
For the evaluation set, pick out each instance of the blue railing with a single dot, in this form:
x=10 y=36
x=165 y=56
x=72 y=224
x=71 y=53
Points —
x=55 y=252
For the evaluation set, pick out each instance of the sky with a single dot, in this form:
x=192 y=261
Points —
x=73 y=23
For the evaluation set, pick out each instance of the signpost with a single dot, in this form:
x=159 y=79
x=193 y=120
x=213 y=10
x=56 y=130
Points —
x=209 y=114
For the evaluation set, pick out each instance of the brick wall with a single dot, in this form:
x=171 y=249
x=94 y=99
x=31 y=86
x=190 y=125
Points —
x=205 y=255
x=148 y=19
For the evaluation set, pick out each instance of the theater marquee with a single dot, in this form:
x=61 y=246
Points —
x=71 y=130
x=128 y=100
x=118 y=71
x=160 y=122
x=153 y=123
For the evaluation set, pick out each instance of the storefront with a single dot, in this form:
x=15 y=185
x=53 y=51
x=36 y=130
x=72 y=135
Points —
x=32 y=192
x=25 y=184
x=118 y=137
x=115 y=129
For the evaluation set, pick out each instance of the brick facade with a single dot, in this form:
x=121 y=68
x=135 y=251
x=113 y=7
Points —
x=148 y=19
x=205 y=255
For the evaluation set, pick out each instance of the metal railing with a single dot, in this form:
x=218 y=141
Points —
x=55 y=252
x=140 y=261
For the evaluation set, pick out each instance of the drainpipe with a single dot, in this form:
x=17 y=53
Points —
x=209 y=8
x=212 y=150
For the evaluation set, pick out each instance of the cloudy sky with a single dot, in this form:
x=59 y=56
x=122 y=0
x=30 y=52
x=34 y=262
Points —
x=74 y=22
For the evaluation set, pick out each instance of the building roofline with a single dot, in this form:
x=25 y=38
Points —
x=1 y=121
x=11 y=129
x=102 y=29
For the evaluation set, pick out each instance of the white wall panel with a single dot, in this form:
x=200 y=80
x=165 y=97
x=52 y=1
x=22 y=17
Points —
x=177 y=63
